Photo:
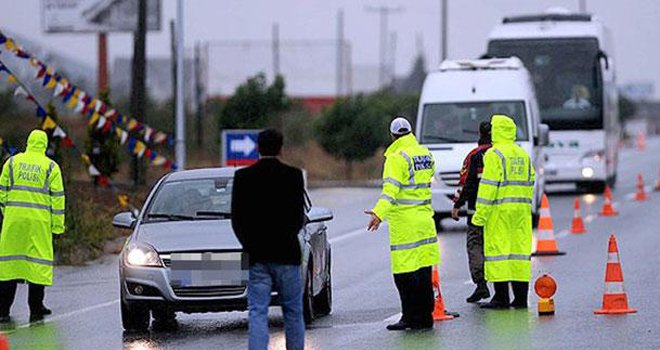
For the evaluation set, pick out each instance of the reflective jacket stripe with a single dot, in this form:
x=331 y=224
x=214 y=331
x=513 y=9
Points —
x=4 y=188
x=412 y=202
x=508 y=257
x=414 y=244
x=411 y=168
x=499 y=154
x=387 y=198
x=11 y=172
x=26 y=258
x=18 y=204
x=507 y=183
x=398 y=184
x=504 y=200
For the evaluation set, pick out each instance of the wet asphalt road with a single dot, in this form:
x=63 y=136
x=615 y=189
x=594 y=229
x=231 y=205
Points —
x=86 y=309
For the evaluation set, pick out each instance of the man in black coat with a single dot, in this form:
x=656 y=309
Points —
x=268 y=210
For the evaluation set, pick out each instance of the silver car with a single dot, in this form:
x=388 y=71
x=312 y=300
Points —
x=184 y=257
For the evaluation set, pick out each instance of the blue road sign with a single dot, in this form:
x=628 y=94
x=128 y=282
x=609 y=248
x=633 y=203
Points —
x=239 y=147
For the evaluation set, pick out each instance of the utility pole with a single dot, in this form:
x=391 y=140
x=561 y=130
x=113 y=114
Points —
x=180 y=150
x=392 y=65
x=138 y=83
x=173 y=67
x=583 y=6
x=199 y=95
x=443 y=30
x=340 y=53
x=102 y=79
x=276 y=50
x=384 y=12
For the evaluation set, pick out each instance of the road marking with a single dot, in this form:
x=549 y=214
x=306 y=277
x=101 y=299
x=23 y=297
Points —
x=69 y=314
x=561 y=234
x=352 y=234
x=392 y=318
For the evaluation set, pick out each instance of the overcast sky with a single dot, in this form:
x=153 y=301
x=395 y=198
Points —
x=634 y=23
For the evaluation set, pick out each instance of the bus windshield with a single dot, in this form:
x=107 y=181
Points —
x=459 y=122
x=566 y=75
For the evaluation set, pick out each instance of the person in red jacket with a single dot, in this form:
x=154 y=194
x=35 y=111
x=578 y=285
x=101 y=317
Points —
x=467 y=193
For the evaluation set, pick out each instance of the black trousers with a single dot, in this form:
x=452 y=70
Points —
x=416 y=293
x=520 y=291
x=36 y=294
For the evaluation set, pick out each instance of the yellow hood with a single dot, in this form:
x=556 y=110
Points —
x=37 y=142
x=503 y=129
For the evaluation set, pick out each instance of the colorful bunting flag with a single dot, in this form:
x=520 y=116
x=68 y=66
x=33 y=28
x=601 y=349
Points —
x=49 y=124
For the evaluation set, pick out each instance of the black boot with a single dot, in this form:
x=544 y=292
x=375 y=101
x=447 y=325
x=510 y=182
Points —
x=399 y=326
x=520 y=291
x=500 y=299
x=481 y=292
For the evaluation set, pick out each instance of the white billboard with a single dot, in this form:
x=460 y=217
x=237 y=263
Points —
x=84 y=16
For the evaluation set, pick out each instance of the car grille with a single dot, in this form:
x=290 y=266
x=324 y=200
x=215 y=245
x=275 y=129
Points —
x=209 y=292
x=450 y=178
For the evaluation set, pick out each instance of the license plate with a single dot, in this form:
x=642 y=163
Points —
x=208 y=269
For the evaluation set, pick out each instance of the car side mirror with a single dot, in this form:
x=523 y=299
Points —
x=544 y=135
x=317 y=214
x=124 y=220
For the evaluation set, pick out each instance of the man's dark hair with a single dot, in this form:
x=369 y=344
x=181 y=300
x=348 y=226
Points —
x=270 y=142
x=484 y=132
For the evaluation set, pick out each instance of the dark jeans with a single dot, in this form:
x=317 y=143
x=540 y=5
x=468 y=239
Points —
x=475 y=252
x=287 y=280
x=520 y=291
x=416 y=293
x=8 y=293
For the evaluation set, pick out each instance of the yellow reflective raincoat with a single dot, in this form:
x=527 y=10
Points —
x=405 y=203
x=32 y=203
x=504 y=205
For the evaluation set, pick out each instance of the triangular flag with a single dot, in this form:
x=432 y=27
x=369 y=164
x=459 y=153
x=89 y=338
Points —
x=51 y=83
x=48 y=124
x=67 y=142
x=123 y=136
x=41 y=113
x=93 y=171
x=85 y=159
x=79 y=107
x=111 y=113
x=159 y=160
x=132 y=124
x=94 y=119
x=101 y=122
x=11 y=79
x=160 y=137
x=103 y=181
x=10 y=45
x=40 y=73
x=59 y=88
x=73 y=102
x=98 y=105
x=59 y=132
x=20 y=91
x=147 y=133
x=139 y=149
x=123 y=200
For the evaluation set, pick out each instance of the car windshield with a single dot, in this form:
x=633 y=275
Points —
x=192 y=200
x=459 y=122
x=569 y=90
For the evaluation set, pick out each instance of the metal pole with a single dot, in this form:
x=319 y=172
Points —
x=340 y=53
x=173 y=68
x=276 y=50
x=384 y=13
x=443 y=30
x=103 y=62
x=180 y=122
x=392 y=66
x=198 y=94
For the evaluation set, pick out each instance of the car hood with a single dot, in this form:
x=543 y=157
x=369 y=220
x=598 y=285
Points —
x=177 y=236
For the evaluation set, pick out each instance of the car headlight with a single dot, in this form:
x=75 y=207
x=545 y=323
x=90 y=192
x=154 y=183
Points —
x=597 y=155
x=142 y=255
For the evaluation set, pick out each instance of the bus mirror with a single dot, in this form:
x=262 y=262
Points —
x=544 y=132
x=602 y=56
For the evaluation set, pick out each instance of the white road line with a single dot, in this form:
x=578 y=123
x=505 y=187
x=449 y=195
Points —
x=392 y=318
x=72 y=313
x=561 y=234
x=353 y=234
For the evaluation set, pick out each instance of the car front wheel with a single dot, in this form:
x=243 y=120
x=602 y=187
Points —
x=134 y=316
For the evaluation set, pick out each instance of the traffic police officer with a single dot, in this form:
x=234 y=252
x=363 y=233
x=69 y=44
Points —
x=406 y=203
x=32 y=203
x=504 y=210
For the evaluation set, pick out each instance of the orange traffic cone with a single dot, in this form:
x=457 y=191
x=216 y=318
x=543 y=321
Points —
x=641 y=141
x=4 y=342
x=439 y=312
x=615 y=300
x=640 y=195
x=657 y=186
x=608 y=209
x=578 y=223
x=546 y=243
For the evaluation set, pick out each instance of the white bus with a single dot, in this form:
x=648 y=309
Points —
x=569 y=57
